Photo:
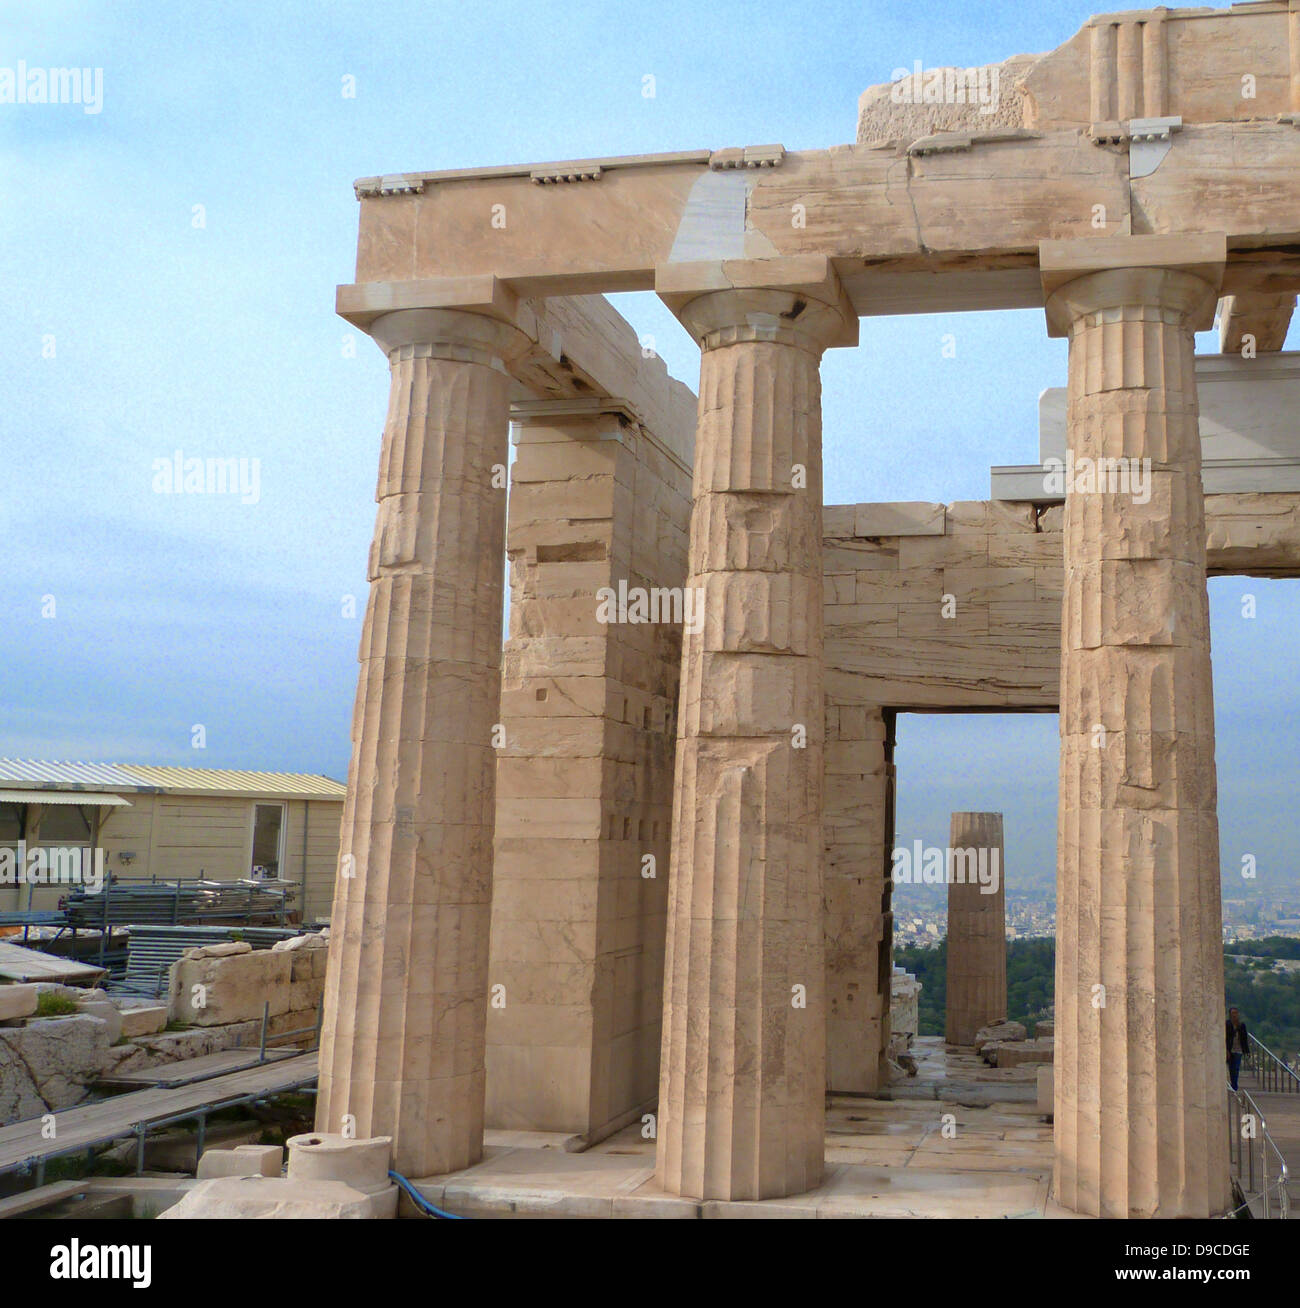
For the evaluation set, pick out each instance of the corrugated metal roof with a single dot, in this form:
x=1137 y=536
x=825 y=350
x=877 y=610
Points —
x=37 y=774
x=87 y=797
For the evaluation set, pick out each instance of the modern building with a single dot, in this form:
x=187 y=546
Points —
x=174 y=823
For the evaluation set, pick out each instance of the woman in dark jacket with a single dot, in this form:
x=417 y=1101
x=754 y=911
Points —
x=1238 y=1039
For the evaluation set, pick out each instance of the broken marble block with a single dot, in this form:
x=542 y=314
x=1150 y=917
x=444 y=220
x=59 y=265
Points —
x=242 y=1160
x=1013 y=1053
x=212 y=988
x=143 y=1020
x=330 y=1176
x=96 y=1003
x=17 y=1002
x=242 y=1197
x=1003 y=1030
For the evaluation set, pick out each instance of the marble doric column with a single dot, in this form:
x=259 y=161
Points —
x=403 y=1046
x=743 y=1067
x=977 y=926
x=1140 y=1107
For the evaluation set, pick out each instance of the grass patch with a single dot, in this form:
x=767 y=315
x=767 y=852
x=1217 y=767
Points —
x=51 y=1004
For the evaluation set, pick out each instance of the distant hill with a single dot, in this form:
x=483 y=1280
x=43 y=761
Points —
x=1031 y=972
x=1269 y=1000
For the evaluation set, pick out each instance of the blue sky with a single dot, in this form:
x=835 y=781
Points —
x=220 y=340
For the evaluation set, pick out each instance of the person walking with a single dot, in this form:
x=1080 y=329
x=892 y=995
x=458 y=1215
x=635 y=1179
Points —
x=1238 y=1040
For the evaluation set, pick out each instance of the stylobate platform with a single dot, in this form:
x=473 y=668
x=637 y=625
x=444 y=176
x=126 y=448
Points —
x=958 y=1140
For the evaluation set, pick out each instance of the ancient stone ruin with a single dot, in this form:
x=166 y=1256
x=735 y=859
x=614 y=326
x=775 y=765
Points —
x=639 y=865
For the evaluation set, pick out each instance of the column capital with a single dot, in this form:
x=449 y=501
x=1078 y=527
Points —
x=452 y=311
x=1179 y=274
x=796 y=301
x=448 y=334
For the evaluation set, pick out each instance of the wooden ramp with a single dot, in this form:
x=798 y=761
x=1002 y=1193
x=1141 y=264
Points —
x=23 y=965
x=203 y=1068
x=114 y=1119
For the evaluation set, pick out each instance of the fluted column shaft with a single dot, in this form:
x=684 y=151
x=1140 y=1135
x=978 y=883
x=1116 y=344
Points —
x=402 y=1050
x=742 y=1075
x=976 y=982
x=1139 y=973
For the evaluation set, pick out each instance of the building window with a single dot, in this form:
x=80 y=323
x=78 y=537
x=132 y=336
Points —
x=64 y=824
x=11 y=823
x=268 y=839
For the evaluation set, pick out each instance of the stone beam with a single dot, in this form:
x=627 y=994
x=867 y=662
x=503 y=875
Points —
x=900 y=217
x=1252 y=535
x=889 y=644
x=1262 y=317
x=949 y=224
x=577 y=347
x=1131 y=127
x=1197 y=187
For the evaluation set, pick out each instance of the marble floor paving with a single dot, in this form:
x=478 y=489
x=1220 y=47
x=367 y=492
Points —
x=957 y=1140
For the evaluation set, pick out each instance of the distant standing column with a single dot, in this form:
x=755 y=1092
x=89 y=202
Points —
x=743 y=1071
x=977 y=926
x=1140 y=1105
x=402 y=1051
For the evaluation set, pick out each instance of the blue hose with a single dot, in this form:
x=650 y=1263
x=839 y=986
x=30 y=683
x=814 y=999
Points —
x=420 y=1201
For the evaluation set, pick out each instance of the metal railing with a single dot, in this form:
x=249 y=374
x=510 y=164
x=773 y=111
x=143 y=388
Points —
x=1273 y=1075
x=314 y=1030
x=1256 y=1162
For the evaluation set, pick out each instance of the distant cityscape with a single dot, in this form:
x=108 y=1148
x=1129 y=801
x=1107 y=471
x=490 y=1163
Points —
x=921 y=915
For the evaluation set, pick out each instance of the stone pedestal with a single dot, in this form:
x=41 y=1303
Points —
x=402 y=1047
x=1139 y=1095
x=743 y=1067
x=977 y=926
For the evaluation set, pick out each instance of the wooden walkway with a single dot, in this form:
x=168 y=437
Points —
x=119 y=1117
x=23 y=965
x=203 y=1068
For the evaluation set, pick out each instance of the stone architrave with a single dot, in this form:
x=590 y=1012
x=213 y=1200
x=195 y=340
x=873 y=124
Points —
x=402 y=1051
x=977 y=926
x=743 y=1067
x=1140 y=1100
